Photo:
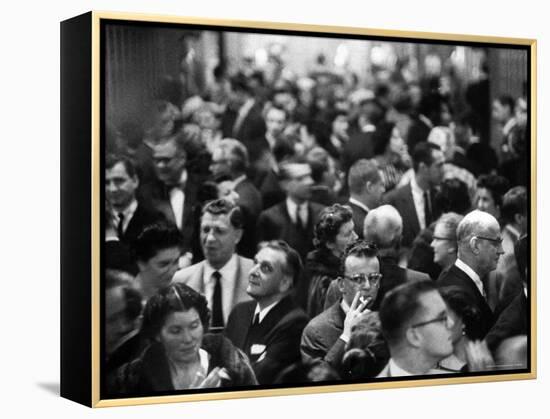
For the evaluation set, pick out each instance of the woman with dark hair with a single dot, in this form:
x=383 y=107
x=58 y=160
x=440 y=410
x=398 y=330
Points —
x=489 y=193
x=333 y=232
x=180 y=355
x=466 y=327
x=391 y=154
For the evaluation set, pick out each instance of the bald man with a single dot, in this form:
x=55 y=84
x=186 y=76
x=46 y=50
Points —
x=479 y=249
x=384 y=227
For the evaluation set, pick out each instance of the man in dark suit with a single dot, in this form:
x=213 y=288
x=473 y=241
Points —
x=479 y=249
x=414 y=201
x=223 y=276
x=360 y=144
x=326 y=335
x=383 y=227
x=269 y=328
x=174 y=192
x=366 y=189
x=293 y=219
x=514 y=319
x=129 y=216
x=243 y=118
x=230 y=158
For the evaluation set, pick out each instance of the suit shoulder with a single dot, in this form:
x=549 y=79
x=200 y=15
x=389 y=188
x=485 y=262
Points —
x=396 y=193
x=183 y=275
x=413 y=275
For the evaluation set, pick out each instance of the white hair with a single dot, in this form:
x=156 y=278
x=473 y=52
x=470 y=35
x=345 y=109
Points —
x=383 y=226
x=473 y=223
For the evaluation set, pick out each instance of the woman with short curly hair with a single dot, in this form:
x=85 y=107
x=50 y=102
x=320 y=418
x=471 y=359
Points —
x=333 y=232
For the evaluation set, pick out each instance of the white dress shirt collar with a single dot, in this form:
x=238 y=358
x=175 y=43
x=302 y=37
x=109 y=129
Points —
x=265 y=310
x=291 y=207
x=511 y=123
x=419 y=204
x=127 y=212
x=238 y=180
x=471 y=274
x=396 y=371
x=358 y=203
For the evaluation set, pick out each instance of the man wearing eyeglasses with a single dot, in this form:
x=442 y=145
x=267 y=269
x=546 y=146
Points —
x=326 y=335
x=479 y=249
x=417 y=329
x=268 y=329
x=174 y=191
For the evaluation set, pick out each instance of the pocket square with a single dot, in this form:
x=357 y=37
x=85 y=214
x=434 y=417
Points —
x=257 y=349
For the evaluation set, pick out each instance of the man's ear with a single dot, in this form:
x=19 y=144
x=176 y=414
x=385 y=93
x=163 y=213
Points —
x=368 y=186
x=340 y=284
x=141 y=265
x=413 y=337
x=285 y=284
x=474 y=245
x=239 y=234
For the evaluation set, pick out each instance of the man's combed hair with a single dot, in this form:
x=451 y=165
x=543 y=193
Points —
x=293 y=263
x=236 y=154
x=399 y=306
x=155 y=237
x=514 y=202
x=361 y=172
x=423 y=153
x=225 y=207
x=359 y=249
x=174 y=298
x=112 y=159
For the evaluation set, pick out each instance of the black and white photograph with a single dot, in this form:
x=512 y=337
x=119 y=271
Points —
x=295 y=208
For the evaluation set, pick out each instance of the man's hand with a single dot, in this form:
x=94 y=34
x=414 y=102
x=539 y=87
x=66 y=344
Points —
x=214 y=379
x=356 y=312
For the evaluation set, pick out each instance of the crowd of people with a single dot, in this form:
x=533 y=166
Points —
x=284 y=231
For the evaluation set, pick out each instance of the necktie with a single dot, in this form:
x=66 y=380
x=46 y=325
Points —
x=217 y=312
x=299 y=221
x=427 y=208
x=120 y=226
x=256 y=321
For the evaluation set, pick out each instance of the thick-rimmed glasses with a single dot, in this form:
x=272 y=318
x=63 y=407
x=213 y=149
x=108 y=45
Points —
x=373 y=279
x=496 y=241
x=444 y=319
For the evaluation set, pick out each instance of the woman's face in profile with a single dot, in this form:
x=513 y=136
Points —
x=397 y=144
x=181 y=336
